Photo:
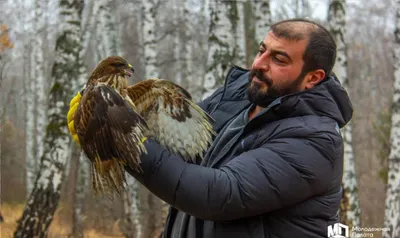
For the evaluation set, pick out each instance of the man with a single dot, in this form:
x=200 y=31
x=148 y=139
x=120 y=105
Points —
x=275 y=167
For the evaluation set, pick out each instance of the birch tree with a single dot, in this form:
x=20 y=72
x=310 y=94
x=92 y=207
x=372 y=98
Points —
x=132 y=225
x=149 y=41
x=39 y=82
x=133 y=215
x=221 y=42
x=184 y=44
x=392 y=212
x=149 y=37
x=262 y=13
x=350 y=204
x=187 y=47
x=106 y=34
x=199 y=51
x=178 y=41
x=44 y=198
x=29 y=58
x=237 y=17
x=30 y=126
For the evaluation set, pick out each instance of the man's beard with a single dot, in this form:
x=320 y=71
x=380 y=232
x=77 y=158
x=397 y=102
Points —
x=261 y=97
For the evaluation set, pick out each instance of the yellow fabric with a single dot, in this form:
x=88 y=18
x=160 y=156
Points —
x=71 y=127
x=73 y=105
x=76 y=138
x=76 y=99
x=71 y=112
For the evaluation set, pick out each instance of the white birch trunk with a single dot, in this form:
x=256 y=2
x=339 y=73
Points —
x=350 y=203
x=392 y=212
x=187 y=47
x=39 y=81
x=131 y=198
x=199 y=49
x=83 y=183
x=178 y=42
x=44 y=198
x=221 y=41
x=106 y=34
x=240 y=36
x=149 y=37
x=262 y=13
x=88 y=25
x=131 y=208
x=30 y=125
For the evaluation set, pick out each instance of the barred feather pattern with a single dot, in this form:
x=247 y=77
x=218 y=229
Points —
x=173 y=119
x=110 y=132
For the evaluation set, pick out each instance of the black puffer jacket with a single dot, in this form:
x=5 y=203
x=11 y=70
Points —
x=279 y=176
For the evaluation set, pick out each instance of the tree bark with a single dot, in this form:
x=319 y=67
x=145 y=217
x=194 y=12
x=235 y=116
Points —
x=82 y=187
x=39 y=82
x=186 y=47
x=392 y=212
x=350 y=203
x=240 y=34
x=106 y=34
x=30 y=122
x=132 y=226
x=149 y=36
x=221 y=42
x=262 y=13
x=44 y=198
x=71 y=191
x=148 y=205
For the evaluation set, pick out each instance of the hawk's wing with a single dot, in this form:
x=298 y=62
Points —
x=175 y=121
x=110 y=133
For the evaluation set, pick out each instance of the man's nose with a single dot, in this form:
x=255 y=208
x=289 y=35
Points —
x=261 y=62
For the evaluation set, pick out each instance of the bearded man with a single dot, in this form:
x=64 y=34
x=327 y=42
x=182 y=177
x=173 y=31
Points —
x=275 y=167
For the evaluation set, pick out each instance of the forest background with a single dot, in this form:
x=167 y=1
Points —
x=49 y=47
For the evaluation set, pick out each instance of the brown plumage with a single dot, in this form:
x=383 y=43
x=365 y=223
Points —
x=112 y=118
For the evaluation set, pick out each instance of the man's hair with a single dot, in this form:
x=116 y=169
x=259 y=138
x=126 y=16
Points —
x=320 y=52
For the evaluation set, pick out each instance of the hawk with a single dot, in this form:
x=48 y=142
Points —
x=112 y=119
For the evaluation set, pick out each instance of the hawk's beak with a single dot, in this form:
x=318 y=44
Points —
x=131 y=68
x=130 y=71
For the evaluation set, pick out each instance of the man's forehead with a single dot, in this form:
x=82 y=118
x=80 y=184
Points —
x=280 y=43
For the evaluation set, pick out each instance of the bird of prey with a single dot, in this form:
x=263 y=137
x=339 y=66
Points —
x=112 y=118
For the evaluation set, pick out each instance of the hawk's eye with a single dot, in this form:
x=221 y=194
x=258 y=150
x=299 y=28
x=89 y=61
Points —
x=118 y=64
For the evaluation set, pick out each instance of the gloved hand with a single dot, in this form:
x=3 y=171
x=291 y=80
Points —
x=73 y=105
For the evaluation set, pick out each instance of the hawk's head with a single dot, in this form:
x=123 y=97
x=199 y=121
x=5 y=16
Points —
x=112 y=65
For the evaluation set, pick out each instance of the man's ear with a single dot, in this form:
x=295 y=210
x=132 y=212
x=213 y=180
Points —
x=313 y=78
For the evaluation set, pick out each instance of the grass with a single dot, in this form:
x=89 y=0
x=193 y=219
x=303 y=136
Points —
x=58 y=229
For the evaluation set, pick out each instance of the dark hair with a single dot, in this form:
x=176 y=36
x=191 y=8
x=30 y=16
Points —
x=320 y=52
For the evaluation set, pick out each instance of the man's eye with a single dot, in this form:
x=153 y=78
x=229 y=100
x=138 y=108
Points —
x=278 y=60
x=260 y=51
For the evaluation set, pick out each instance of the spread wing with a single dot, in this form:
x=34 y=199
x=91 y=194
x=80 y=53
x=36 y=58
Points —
x=110 y=132
x=175 y=121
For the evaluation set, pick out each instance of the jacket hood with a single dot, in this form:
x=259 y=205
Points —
x=328 y=98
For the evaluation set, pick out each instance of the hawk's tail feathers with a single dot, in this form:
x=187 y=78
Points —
x=108 y=177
